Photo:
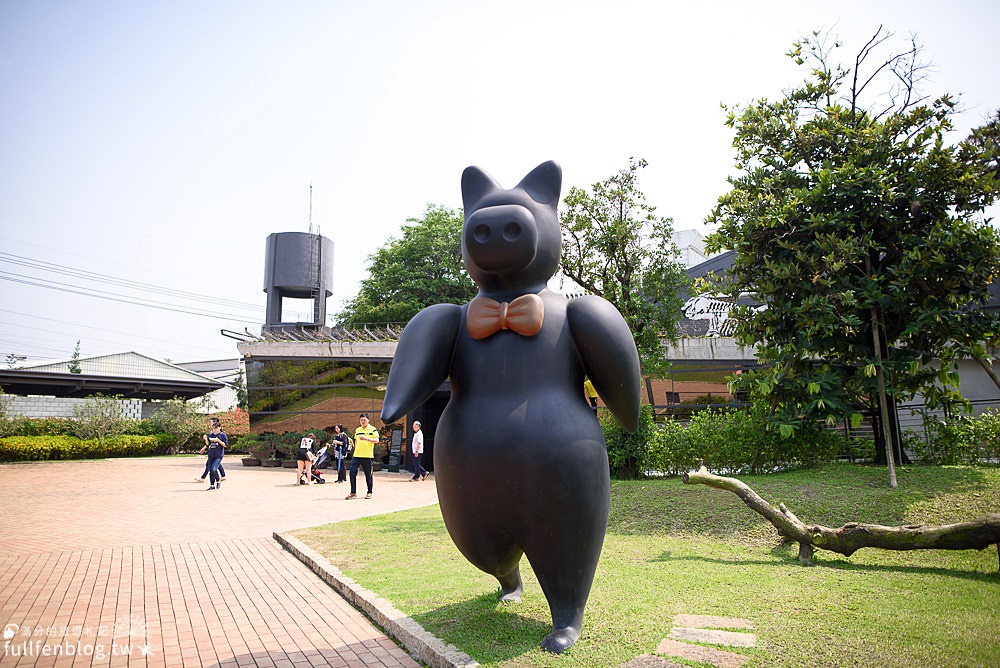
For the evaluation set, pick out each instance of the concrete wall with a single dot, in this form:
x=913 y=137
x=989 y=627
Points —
x=37 y=406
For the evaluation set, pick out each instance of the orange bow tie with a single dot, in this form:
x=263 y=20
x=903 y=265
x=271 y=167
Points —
x=487 y=317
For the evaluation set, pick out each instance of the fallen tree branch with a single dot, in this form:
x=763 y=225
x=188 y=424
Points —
x=975 y=535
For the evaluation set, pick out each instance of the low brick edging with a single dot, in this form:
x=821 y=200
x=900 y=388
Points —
x=401 y=628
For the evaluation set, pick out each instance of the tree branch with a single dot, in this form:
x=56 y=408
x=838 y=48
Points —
x=975 y=535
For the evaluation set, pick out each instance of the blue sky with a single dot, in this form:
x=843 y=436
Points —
x=157 y=144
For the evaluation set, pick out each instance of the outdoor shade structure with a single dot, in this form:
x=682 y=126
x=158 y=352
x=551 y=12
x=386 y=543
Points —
x=129 y=374
x=81 y=385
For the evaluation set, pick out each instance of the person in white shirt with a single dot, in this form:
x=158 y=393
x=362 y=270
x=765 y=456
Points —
x=417 y=446
x=304 y=459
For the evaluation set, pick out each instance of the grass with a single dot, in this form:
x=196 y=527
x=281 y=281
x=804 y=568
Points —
x=673 y=549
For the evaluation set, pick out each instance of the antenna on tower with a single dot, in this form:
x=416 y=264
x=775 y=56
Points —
x=310 y=207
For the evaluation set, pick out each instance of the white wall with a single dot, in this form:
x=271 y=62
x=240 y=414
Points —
x=38 y=406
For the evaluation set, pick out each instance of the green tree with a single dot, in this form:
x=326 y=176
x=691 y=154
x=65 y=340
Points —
x=862 y=230
x=616 y=247
x=180 y=419
x=74 y=361
x=99 y=417
x=242 y=396
x=422 y=267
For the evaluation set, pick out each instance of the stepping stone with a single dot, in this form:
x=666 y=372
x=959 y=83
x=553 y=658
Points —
x=714 y=637
x=651 y=661
x=711 y=621
x=716 y=657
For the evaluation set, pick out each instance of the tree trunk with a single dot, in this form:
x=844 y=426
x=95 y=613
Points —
x=989 y=371
x=975 y=535
x=883 y=403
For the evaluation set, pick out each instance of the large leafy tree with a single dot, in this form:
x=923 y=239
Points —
x=422 y=267
x=863 y=231
x=616 y=247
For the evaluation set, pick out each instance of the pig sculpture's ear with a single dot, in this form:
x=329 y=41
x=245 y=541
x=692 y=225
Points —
x=475 y=185
x=543 y=183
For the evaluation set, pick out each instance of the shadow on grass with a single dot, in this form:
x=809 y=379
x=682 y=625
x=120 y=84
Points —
x=787 y=557
x=485 y=623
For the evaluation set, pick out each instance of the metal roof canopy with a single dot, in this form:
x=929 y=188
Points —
x=23 y=382
x=128 y=374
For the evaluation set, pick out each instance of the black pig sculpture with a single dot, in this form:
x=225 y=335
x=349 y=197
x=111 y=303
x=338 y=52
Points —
x=520 y=461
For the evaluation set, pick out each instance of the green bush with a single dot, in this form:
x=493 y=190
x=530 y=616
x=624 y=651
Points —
x=987 y=431
x=144 y=427
x=725 y=440
x=960 y=439
x=629 y=455
x=100 y=417
x=741 y=440
x=19 y=425
x=42 y=448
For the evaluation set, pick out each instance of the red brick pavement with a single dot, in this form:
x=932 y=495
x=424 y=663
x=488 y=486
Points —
x=132 y=563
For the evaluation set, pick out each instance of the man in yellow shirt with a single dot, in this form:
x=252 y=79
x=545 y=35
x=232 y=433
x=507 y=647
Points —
x=365 y=438
x=591 y=392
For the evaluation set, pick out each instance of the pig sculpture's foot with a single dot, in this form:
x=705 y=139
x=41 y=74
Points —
x=511 y=587
x=560 y=639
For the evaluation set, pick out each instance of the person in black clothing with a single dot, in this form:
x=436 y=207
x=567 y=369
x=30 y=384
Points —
x=341 y=445
x=217 y=443
x=208 y=462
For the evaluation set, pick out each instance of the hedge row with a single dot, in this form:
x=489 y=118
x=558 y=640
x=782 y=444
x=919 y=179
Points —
x=731 y=441
x=40 y=448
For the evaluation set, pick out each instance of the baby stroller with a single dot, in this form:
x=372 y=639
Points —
x=315 y=475
x=321 y=458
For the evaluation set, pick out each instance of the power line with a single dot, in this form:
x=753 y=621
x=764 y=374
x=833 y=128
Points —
x=120 y=282
x=114 y=297
x=170 y=342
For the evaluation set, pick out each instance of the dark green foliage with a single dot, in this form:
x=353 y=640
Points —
x=423 y=267
x=19 y=425
x=725 y=440
x=960 y=439
x=268 y=445
x=852 y=216
x=616 y=247
x=628 y=454
x=740 y=441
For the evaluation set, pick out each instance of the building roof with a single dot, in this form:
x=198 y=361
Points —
x=129 y=374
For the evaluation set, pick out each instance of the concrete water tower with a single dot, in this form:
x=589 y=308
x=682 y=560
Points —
x=297 y=265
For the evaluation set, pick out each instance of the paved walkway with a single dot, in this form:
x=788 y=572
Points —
x=132 y=563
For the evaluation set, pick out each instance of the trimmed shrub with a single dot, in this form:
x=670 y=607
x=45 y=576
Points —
x=19 y=425
x=41 y=448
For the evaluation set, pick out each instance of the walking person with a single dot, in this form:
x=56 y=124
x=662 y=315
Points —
x=217 y=443
x=417 y=446
x=365 y=438
x=341 y=444
x=208 y=461
x=304 y=459
x=591 y=392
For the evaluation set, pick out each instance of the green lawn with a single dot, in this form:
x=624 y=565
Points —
x=673 y=548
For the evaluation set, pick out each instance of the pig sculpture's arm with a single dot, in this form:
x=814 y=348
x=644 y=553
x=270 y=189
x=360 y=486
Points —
x=422 y=360
x=607 y=351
